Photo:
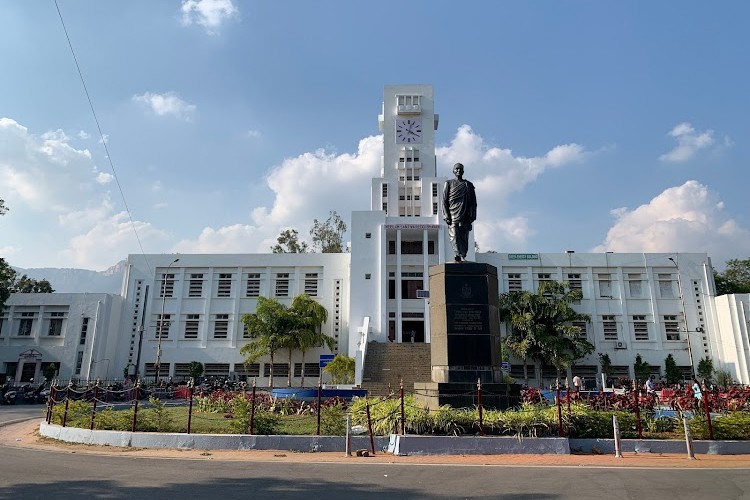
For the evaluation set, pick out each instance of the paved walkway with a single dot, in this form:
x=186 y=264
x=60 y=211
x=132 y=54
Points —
x=25 y=435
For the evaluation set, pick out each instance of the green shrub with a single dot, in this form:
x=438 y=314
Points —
x=333 y=420
x=735 y=425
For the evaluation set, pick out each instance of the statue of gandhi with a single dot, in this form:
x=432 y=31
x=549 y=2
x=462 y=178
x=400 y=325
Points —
x=460 y=211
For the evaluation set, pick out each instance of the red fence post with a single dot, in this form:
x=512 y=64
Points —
x=93 y=407
x=479 y=406
x=252 y=411
x=369 y=425
x=67 y=402
x=403 y=414
x=191 y=388
x=559 y=411
x=567 y=397
x=51 y=401
x=637 y=410
x=320 y=395
x=708 y=416
x=136 y=391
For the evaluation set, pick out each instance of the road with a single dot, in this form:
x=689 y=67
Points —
x=9 y=413
x=30 y=473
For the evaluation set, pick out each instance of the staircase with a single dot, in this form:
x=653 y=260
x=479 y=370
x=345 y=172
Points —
x=389 y=363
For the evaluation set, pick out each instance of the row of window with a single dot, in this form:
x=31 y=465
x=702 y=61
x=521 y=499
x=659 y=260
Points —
x=24 y=323
x=225 y=281
x=606 y=284
x=590 y=372
x=225 y=370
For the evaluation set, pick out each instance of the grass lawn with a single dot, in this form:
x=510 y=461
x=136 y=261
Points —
x=217 y=423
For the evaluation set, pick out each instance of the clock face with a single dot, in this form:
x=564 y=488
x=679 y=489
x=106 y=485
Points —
x=409 y=131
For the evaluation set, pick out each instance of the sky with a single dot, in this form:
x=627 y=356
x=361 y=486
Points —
x=584 y=125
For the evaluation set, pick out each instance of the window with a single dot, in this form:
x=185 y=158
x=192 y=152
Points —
x=195 y=287
x=671 y=327
x=221 y=326
x=253 y=285
x=434 y=208
x=282 y=285
x=220 y=370
x=640 y=327
x=79 y=362
x=385 y=207
x=25 y=324
x=182 y=370
x=605 y=285
x=666 y=289
x=166 y=287
x=311 y=370
x=409 y=158
x=3 y=321
x=247 y=370
x=408 y=104
x=192 y=324
x=635 y=285
x=575 y=283
x=56 y=324
x=162 y=326
x=279 y=370
x=434 y=190
x=224 y=288
x=245 y=332
x=514 y=282
x=385 y=190
x=311 y=284
x=581 y=325
x=609 y=326
x=150 y=369
x=84 y=330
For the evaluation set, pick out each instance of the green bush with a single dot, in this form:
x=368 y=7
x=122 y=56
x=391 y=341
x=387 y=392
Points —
x=333 y=420
x=735 y=425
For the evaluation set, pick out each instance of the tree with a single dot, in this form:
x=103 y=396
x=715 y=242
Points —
x=706 y=369
x=310 y=316
x=641 y=369
x=724 y=379
x=328 y=236
x=671 y=372
x=288 y=242
x=735 y=278
x=195 y=369
x=543 y=325
x=11 y=283
x=341 y=369
x=268 y=327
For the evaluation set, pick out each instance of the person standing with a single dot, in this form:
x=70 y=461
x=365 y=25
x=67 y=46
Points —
x=460 y=211
x=577 y=383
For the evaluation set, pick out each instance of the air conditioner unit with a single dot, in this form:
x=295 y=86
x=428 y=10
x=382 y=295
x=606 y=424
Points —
x=621 y=345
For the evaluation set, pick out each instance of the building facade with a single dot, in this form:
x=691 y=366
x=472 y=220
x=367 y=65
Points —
x=182 y=308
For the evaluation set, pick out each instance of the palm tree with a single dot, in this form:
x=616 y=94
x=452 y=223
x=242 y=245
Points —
x=310 y=318
x=269 y=327
x=542 y=326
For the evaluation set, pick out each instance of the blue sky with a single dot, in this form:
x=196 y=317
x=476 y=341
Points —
x=585 y=125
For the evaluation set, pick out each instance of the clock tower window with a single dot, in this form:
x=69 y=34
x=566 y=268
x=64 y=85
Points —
x=408 y=104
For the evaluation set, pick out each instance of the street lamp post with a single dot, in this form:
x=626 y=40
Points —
x=161 y=318
x=684 y=317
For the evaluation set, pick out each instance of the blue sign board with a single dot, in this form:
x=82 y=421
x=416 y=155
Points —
x=505 y=366
x=325 y=359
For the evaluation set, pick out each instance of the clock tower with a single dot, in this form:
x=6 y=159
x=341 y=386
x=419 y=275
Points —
x=402 y=235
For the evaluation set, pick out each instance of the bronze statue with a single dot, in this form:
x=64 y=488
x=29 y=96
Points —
x=460 y=209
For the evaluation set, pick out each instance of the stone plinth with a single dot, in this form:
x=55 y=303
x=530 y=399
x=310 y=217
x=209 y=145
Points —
x=465 y=395
x=464 y=325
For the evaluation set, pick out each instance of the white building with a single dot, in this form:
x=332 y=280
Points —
x=647 y=304
x=72 y=331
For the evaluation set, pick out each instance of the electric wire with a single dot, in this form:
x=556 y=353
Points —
x=101 y=136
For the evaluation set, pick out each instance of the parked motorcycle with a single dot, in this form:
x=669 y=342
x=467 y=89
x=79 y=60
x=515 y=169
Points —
x=8 y=394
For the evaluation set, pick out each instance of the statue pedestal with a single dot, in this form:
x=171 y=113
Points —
x=465 y=338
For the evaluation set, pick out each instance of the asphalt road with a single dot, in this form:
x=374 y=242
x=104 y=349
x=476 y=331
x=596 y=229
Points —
x=9 y=413
x=33 y=473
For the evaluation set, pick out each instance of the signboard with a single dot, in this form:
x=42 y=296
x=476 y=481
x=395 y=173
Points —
x=505 y=366
x=523 y=256
x=325 y=359
x=423 y=294
x=412 y=226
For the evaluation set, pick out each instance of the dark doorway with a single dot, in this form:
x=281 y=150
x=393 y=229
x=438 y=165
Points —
x=409 y=326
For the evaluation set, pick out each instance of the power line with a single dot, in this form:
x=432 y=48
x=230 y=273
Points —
x=101 y=136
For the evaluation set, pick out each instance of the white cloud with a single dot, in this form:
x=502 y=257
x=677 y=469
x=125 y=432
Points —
x=253 y=134
x=686 y=218
x=83 y=135
x=108 y=239
x=689 y=142
x=165 y=104
x=312 y=184
x=104 y=178
x=496 y=173
x=210 y=14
